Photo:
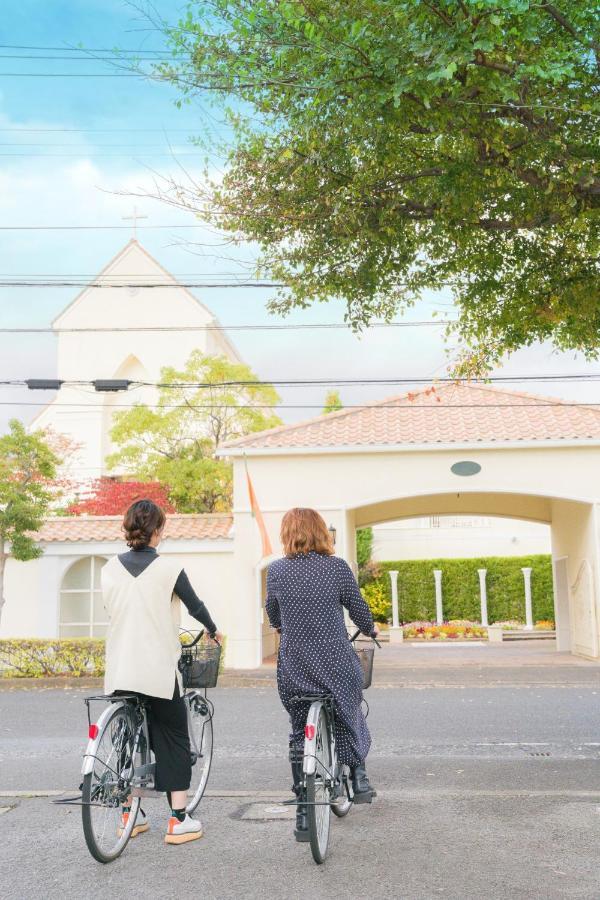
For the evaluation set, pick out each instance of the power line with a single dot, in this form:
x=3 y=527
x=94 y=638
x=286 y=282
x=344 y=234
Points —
x=550 y=404
x=75 y=49
x=308 y=326
x=31 y=130
x=315 y=382
x=145 y=285
x=91 y=227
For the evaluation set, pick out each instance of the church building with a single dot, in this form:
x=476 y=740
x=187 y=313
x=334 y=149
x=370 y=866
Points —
x=127 y=324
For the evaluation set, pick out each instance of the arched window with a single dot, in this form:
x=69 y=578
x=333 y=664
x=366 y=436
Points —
x=82 y=612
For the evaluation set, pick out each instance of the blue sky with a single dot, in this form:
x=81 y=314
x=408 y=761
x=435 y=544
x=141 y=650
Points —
x=134 y=135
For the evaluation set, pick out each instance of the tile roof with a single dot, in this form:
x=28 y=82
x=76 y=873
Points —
x=108 y=528
x=448 y=414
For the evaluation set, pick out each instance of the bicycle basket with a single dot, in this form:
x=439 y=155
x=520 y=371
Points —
x=199 y=666
x=365 y=658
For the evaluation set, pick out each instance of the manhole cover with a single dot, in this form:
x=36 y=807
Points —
x=268 y=812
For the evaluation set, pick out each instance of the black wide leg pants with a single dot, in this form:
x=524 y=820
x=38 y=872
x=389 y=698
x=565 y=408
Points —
x=170 y=741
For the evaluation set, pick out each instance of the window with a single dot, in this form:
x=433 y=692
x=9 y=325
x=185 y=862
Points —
x=82 y=612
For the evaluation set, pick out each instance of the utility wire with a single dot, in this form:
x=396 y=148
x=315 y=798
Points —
x=408 y=405
x=146 y=286
x=175 y=328
x=312 y=382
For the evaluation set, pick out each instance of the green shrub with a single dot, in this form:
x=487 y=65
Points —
x=39 y=658
x=364 y=546
x=379 y=604
x=460 y=587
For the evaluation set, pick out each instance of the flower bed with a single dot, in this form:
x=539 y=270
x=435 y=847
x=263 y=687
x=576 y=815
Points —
x=460 y=630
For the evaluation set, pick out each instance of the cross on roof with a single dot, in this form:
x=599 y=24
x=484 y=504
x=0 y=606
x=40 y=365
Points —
x=134 y=219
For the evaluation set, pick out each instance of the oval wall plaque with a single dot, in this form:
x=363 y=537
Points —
x=465 y=467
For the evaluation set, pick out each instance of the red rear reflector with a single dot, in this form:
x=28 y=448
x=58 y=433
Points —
x=93 y=732
x=309 y=731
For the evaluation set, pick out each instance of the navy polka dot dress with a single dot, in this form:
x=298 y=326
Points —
x=305 y=599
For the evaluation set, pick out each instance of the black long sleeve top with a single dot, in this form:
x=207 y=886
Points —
x=135 y=561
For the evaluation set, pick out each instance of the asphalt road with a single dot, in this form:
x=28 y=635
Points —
x=483 y=793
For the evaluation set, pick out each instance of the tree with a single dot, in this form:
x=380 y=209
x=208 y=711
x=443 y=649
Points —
x=210 y=401
x=333 y=402
x=364 y=546
x=111 y=498
x=27 y=468
x=387 y=148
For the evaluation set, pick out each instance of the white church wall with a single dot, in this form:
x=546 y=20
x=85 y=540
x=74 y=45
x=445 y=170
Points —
x=440 y=537
x=99 y=337
x=32 y=589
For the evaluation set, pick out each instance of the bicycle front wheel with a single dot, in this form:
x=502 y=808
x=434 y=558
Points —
x=108 y=786
x=200 y=725
x=318 y=791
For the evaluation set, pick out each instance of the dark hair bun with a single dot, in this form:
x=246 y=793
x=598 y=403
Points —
x=142 y=520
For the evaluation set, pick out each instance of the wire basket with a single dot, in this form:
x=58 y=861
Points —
x=365 y=658
x=199 y=666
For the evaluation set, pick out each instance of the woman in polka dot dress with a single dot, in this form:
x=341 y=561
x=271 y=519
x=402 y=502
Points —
x=307 y=591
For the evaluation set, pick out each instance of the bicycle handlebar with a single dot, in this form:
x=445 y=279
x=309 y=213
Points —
x=196 y=639
x=356 y=634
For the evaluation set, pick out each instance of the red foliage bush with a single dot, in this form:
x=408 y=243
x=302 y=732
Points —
x=113 y=498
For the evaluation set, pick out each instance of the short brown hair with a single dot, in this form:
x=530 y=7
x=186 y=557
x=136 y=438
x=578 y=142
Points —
x=141 y=520
x=303 y=530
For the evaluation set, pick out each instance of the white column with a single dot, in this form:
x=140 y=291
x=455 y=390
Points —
x=396 y=630
x=526 y=570
x=483 y=594
x=439 y=611
x=394 y=580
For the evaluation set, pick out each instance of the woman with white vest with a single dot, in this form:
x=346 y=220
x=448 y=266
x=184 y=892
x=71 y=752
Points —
x=142 y=593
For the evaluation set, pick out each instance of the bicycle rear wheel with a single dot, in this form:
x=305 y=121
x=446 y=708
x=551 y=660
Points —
x=318 y=791
x=107 y=787
x=200 y=724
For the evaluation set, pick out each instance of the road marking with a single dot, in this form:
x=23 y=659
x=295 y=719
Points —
x=35 y=793
x=383 y=794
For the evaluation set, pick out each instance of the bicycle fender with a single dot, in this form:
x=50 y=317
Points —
x=309 y=764
x=89 y=757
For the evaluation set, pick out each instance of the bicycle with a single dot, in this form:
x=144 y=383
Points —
x=327 y=783
x=118 y=767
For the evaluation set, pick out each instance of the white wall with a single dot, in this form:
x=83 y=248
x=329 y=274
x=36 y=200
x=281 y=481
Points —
x=458 y=537
x=84 y=415
x=32 y=588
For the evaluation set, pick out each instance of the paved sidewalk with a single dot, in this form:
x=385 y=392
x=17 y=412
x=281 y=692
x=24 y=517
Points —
x=518 y=664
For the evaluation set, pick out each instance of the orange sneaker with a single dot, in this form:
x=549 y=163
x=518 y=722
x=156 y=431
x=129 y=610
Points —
x=182 y=832
x=141 y=823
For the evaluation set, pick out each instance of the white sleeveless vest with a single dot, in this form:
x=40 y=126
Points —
x=142 y=643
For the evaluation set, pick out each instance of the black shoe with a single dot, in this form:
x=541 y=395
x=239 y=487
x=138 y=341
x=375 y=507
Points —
x=296 y=760
x=363 y=792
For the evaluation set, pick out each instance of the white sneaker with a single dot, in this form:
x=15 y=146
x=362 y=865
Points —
x=141 y=823
x=182 y=832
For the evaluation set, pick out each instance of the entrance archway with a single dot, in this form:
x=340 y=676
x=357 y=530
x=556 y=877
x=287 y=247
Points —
x=460 y=450
x=574 y=544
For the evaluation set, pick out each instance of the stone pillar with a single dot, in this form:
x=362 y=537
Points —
x=526 y=570
x=396 y=632
x=439 y=610
x=483 y=594
x=394 y=580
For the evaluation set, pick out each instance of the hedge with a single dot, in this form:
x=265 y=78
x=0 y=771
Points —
x=42 y=658
x=39 y=658
x=460 y=587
